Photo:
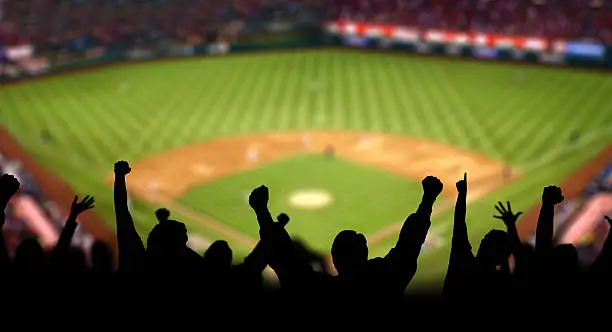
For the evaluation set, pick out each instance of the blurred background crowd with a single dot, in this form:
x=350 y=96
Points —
x=79 y=25
x=31 y=213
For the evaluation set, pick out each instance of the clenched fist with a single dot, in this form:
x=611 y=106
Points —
x=552 y=195
x=259 y=198
x=432 y=186
x=122 y=168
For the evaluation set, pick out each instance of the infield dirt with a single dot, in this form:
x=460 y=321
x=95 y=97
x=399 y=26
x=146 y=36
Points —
x=174 y=172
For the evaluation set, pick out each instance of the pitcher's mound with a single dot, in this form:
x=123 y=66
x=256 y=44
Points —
x=310 y=199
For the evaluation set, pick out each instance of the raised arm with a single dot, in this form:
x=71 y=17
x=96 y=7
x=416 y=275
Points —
x=254 y=264
x=277 y=244
x=551 y=196
x=509 y=218
x=251 y=268
x=131 y=248
x=258 y=200
x=415 y=227
x=461 y=249
x=461 y=256
x=65 y=239
x=8 y=188
x=403 y=257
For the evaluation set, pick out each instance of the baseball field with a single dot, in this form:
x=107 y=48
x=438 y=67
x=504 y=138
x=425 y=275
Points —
x=200 y=133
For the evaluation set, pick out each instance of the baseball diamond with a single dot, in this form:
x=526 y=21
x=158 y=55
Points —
x=201 y=132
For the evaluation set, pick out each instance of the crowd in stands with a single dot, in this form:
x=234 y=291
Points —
x=565 y=19
x=163 y=269
x=79 y=25
x=31 y=214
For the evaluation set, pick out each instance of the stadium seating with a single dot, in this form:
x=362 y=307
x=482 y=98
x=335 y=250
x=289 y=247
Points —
x=552 y=19
x=75 y=25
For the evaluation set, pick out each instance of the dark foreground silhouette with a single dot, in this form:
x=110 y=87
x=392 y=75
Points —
x=166 y=272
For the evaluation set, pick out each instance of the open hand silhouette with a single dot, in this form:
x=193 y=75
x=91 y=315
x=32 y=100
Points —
x=85 y=204
x=505 y=213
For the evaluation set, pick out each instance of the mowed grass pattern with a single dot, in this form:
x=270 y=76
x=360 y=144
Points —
x=521 y=115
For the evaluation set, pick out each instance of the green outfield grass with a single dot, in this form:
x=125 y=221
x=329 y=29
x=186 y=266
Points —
x=358 y=193
x=521 y=115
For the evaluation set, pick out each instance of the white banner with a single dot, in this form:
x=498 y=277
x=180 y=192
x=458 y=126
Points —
x=16 y=53
x=138 y=54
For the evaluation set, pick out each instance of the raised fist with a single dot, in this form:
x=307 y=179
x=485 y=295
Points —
x=432 y=186
x=462 y=184
x=259 y=197
x=8 y=187
x=552 y=195
x=122 y=168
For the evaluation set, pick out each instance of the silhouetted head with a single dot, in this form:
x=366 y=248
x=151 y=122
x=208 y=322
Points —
x=494 y=249
x=219 y=255
x=168 y=235
x=349 y=251
x=29 y=254
x=162 y=214
x=101 y=257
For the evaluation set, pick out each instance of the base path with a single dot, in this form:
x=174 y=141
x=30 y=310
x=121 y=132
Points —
x=167 y=176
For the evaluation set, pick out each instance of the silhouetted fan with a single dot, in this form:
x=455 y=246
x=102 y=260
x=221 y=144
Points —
x=162 y=215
